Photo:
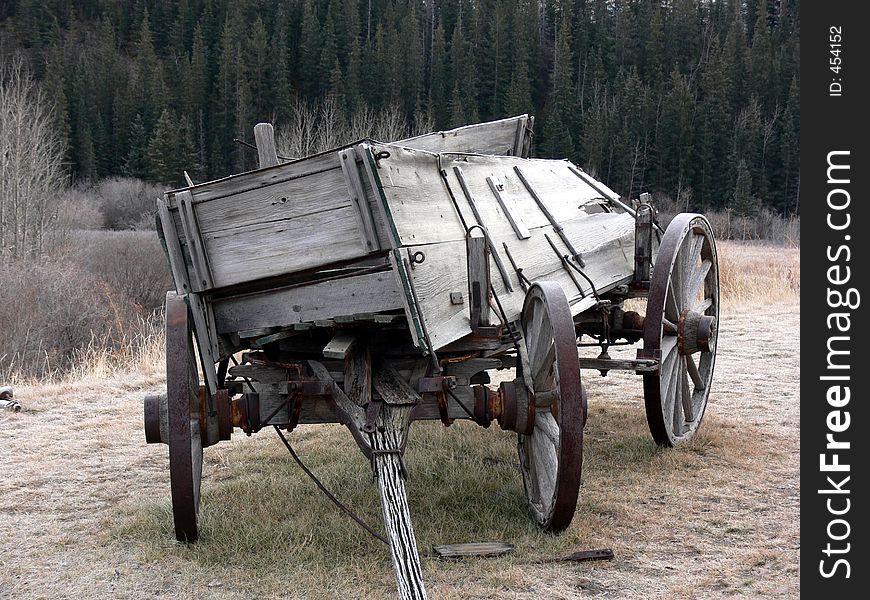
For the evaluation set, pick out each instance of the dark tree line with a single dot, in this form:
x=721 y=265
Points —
x=697 y=99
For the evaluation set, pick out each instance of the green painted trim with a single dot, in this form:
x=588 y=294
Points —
x=404 y=276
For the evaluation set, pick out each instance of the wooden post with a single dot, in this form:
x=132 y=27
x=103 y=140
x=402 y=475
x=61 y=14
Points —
x=264 y=136
x=478 y=279
x=388 y=444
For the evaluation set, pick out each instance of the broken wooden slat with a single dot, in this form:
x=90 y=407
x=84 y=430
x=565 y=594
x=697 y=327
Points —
x=274 y=337
x=393 y=388
x=473 y=549
x=310 y=303
x=264 y=138
x=340 y=344
x=584 y=555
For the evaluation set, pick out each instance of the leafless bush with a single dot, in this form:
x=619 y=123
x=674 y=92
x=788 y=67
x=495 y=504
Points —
x=765 y=225
x=98 y=300
x=126 y=203
x=319 y=127
x=30 y=165
x=130 y=263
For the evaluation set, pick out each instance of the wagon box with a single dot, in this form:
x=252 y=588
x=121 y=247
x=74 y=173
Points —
x=377 y=284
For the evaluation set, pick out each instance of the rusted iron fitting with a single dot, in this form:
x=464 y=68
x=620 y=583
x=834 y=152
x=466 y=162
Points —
x=245 y=412
x=696 y=332
x=514 y=407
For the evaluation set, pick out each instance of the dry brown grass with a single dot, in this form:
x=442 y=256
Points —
x=85 y=509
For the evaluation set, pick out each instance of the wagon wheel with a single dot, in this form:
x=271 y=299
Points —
x=681 y=322
x=185 y=442
x=551 y=456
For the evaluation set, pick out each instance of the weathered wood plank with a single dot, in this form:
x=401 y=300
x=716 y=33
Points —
x=473 y=549
x=235 y=184
x=362 y=209
x=270 y=249
x=357 y=382
x=280 y=307
x=340 y=344
x=479 y=288
x=425 y=218
x=173 y=249
x=494 y=137
x=264 y=138
x=202 y=275
x=291 y=199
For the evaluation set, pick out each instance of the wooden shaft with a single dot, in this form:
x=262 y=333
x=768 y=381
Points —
x=264 y=137
x=387 y=444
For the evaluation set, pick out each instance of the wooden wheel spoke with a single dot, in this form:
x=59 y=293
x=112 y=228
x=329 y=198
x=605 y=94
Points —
x=686 y=395
x=668 y=345
x=547 y=424
x=698 y=277
x=546 y=466
x=668 y=326
x=672 y=304
x=542 y=368
x=669 y=389
x=701 y=307
x=695 y=374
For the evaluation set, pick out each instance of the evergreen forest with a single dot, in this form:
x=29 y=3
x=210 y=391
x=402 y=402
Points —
x=697 y=100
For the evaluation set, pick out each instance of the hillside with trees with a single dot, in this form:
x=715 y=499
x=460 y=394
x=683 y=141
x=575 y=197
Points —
x=693 y=99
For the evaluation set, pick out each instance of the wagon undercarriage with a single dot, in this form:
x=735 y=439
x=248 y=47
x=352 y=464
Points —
x=379 y=284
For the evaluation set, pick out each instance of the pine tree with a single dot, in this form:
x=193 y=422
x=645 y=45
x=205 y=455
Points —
x=162 y=151
x=518 y=98
x=310 y=43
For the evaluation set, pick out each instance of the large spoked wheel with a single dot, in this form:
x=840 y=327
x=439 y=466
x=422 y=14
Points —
x=551 y=455
x=681 y=323
x=185 y=441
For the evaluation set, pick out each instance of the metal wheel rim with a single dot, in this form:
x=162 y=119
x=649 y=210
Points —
x=686 y=276
x=552 y=365
x=185 y=443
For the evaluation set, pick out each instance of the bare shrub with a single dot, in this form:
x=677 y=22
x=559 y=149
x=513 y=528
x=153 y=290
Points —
x=764 y=225
x=49 y=311
x=31 y=155
x=127 y=203
x=319 y=127
x=97 y=302
x=129 y=263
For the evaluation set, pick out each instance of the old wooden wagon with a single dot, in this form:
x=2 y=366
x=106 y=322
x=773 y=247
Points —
x=378 y=283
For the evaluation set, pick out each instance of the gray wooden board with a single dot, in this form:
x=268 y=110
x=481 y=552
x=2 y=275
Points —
x=473 y=549
x=279 y=307
x=270 y=249
x=235 y=184
x=493 y=137
x=606 y=241
x=173 y=248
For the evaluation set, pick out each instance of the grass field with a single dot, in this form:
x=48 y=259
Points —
x=85 y=503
